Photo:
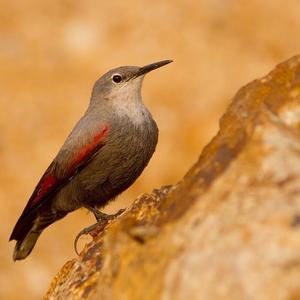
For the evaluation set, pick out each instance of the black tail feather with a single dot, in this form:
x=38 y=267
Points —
x=28 y=229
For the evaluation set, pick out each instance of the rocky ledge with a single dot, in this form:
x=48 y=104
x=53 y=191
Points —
x=230 y=229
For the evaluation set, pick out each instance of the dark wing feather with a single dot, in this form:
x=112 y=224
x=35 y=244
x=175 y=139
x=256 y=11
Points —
x=51 y=183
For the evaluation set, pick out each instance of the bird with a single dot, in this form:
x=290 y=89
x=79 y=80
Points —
x=104 y=154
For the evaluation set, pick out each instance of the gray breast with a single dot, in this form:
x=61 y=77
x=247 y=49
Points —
x=119 y=163
x=131 y=146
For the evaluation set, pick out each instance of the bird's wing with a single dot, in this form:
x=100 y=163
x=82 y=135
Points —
x=52 y=180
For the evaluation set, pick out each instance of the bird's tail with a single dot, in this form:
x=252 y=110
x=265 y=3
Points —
x=28 y=230
x=25 y=246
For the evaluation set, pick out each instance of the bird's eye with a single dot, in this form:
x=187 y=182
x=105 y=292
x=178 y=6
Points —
x=117 y=78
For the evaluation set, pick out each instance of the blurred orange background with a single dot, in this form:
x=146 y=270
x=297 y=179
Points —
x=51 y=52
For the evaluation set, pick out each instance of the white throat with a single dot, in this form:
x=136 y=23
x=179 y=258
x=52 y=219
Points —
x=129 y=102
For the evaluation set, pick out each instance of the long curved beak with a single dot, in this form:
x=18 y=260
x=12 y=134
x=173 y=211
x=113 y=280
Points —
x=151 y=67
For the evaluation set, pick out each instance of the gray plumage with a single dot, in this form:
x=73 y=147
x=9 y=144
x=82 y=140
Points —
x=104 y=154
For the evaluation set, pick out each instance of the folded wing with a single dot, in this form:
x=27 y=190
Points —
x=52 y=180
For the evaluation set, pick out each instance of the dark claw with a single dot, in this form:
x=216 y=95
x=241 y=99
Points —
x=118 y=213
x=82 y=232
x=100 y=216
x=102 y=219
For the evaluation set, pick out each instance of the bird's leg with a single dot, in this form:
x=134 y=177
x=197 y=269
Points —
x=101 y=218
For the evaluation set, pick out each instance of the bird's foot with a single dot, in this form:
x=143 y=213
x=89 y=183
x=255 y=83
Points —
x=102 y=220
x=100 y=216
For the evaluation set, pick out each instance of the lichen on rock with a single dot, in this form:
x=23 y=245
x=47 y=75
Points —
x=230 y=229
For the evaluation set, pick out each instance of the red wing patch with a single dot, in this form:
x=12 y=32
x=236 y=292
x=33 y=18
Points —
x=86 y=151
x=46 y=185
x=49 y=182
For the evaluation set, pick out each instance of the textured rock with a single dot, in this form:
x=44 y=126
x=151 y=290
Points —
x=229 y=230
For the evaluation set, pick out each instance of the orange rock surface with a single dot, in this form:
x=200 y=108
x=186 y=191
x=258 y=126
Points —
x=229 y=230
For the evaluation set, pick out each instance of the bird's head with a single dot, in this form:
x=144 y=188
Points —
x=123 y=83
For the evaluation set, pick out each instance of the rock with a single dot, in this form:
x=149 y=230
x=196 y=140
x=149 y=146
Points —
x=229 y=230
